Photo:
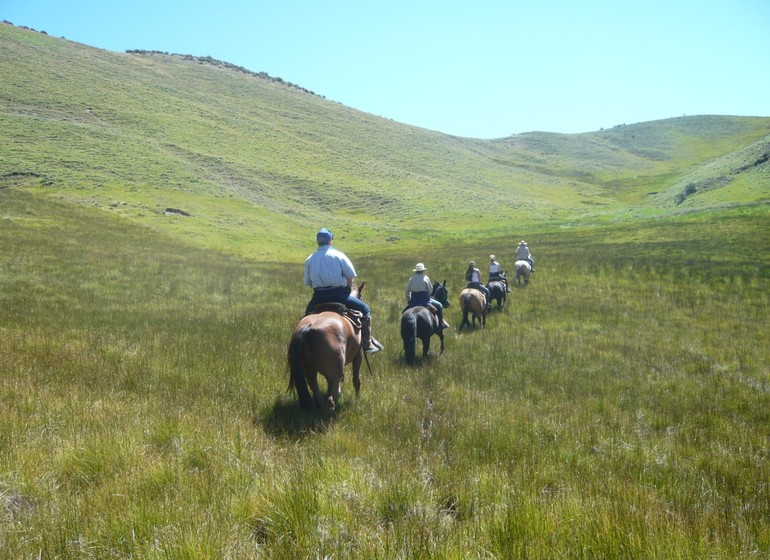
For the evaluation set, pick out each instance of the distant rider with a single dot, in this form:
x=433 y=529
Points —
x=473 y=276
x=331 y=275
x=418 y=293
x=496 y=273
x=523 y=254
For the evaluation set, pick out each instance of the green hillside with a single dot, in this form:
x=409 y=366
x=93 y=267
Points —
x=245 y=154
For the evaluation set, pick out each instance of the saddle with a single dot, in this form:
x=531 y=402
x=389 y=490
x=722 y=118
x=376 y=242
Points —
x=429 y=306
x=350 y=314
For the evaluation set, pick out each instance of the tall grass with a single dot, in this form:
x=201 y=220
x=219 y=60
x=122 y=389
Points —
x=618 y=407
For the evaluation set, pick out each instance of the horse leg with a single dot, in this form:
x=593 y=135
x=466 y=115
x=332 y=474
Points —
x=333 y=391
x=312 y=381
x=357 y=372
x=441 y=338
x=425 y=346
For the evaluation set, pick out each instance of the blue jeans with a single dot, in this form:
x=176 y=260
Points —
x=337 y=295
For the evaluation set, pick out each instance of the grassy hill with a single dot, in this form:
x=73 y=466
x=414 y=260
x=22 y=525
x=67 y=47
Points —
x=245 y=154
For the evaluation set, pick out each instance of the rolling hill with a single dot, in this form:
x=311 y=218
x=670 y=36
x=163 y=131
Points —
x=221 y=156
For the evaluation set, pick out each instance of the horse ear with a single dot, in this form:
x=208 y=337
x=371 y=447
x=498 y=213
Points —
x=361 y=287
x=444 y=281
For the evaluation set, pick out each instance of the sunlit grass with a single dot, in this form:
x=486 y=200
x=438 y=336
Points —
x=617 y=407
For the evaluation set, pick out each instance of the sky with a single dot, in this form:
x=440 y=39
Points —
x=482 y=69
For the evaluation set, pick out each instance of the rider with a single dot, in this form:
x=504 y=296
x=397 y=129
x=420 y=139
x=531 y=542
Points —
x=496 y=273
x=473 y=276
x=418 y=292
x=523 y=254
x=331 y=275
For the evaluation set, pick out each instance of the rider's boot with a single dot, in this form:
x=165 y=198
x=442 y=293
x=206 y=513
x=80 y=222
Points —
x=442 y=324
x=369 y=343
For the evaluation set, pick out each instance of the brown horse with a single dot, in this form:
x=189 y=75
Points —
x=473 y=301
x=324 y=343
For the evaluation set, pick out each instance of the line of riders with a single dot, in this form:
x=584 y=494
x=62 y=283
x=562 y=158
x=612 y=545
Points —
x=331 y=273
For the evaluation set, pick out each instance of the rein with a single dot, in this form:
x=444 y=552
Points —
x=368 y=366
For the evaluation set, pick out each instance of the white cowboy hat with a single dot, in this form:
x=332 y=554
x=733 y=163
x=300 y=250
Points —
x=491 y=257
x=420 y=267
x=522 y=243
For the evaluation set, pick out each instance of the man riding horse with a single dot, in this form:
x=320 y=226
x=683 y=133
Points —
x=331 y=274
x=523 y=254
x=419 y=289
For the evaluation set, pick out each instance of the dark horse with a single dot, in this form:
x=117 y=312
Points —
x=498 y=292
x=474 y=302
x=421 y=322
x=324 y=343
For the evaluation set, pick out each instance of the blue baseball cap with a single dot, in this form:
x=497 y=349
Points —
x=324 y=235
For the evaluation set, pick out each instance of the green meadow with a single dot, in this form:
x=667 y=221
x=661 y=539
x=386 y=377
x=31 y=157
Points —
x=617 y=407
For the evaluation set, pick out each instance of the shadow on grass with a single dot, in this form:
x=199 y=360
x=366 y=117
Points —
x=286 y=419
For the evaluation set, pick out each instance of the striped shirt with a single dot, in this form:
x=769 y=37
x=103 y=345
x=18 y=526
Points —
x=328 y=268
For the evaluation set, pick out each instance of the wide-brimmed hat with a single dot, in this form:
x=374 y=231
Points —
x=471 y=263
x=491 y=257
x=420 y=268
x=522 y=242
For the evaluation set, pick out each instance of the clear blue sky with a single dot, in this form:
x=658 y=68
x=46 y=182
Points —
x=484 y=69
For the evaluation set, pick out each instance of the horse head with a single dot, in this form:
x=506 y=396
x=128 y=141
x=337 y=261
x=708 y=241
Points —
x=440 y=293
x=355 y=291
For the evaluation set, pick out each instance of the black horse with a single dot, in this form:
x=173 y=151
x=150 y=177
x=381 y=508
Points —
x=498 y=292
x=421 y=322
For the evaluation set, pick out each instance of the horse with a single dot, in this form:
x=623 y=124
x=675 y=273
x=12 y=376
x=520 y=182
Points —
x=421 y=322
x=325 y=343
x=523 y=268
x=473 y=301
x=498 y=292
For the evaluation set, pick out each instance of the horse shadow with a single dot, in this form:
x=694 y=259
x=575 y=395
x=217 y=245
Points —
x=287 y=420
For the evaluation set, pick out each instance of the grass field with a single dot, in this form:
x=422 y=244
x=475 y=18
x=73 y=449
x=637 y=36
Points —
x=617 y=408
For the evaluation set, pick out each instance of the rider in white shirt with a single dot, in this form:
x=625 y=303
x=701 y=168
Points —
x=473 y=276
x=496 y=273
x=523 y=254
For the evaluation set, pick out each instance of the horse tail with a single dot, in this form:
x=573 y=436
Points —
x=409 y=335
x=297 y=380
x=465 y=303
